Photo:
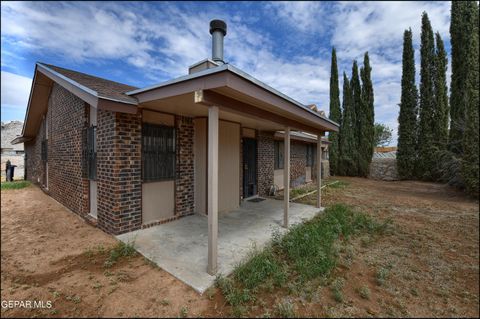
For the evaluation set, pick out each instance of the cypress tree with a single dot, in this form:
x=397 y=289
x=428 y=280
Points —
x=407 y=119
x=347 y=134
x=359 y=120
x=367 y=144
x=426 y=149
x=458 y=37
x=335 y=114
x=470 y=161
x=441 y=99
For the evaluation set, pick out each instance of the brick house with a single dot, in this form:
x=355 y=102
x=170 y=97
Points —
x=13 y=153
x=126 y=158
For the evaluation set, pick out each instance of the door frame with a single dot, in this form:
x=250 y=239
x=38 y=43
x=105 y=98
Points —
x=244 y=175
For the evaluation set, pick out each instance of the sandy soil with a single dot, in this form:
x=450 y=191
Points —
x=430 y=259
x=44 y=256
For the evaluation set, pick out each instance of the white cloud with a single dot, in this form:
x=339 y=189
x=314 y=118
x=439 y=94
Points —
x=377 y=27
x=164 y=42
x=306 y=16
x=79 y=32
x=15 y=92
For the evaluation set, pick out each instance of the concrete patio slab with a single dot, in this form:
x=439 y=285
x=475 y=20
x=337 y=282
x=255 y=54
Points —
x=180 y=247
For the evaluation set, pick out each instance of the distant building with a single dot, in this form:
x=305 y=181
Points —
x=385 y=149
x=13 y=152
x=384 y=164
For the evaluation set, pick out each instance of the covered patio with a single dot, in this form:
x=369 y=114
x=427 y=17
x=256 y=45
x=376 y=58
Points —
x=181 y=247
x=226 y=93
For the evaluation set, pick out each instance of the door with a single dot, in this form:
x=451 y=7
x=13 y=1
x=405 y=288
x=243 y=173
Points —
x=249 y=167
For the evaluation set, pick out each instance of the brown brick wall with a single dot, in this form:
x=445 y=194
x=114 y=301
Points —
x=240 y=186
x=298 y=163
x=185 y=181
x=66 y=116
x=119 y=171
x=35 y=168
x=66 y=121
x=265 y=159
x=119 y=162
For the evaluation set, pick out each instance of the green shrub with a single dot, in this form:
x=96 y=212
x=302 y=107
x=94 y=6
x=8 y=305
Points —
x=337 y=289
x=261 y=266
x=120 y=250
x=337 y=295
x=381 y=276
x=364 y=292
x=285 y=309
x=183 y=312
x=234 y=296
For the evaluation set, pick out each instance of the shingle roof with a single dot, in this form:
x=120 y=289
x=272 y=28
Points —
x=11 y=130
x=385 y=154
x=104 y=88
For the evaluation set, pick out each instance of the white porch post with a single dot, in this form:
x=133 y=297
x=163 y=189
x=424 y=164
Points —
x=212 y=189
x=286 y=176
x=319 y=170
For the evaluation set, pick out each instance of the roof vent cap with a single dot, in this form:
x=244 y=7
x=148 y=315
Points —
x=218 y=25
x=218 y=30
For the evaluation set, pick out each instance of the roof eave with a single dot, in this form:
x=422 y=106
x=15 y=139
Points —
x=84 y=93
x=333 y=126
x=20 y=139
x=184 y=78
x=28 y=103
x=88 y=95
x=302 y=137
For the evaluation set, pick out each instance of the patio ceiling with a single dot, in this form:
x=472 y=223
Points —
x=185 y=105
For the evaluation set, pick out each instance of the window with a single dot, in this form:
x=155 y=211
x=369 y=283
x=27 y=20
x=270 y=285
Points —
x=44 y=151
x=7 y=151
x=325 y=153
x=91 y=152
x=311 y=154
x=278 y=150
x=158 y=152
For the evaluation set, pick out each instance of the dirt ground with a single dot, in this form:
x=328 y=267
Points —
x=430 y=258
x=44 y=256
x=429 y=262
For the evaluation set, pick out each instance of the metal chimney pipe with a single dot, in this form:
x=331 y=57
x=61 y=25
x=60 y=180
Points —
x=218 y=29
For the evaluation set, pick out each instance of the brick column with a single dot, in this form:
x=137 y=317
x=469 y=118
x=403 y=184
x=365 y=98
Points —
x=265 y=159
x=119 y=172
x=185 y=181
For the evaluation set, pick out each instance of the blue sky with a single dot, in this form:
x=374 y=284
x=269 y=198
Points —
x=284 y=44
